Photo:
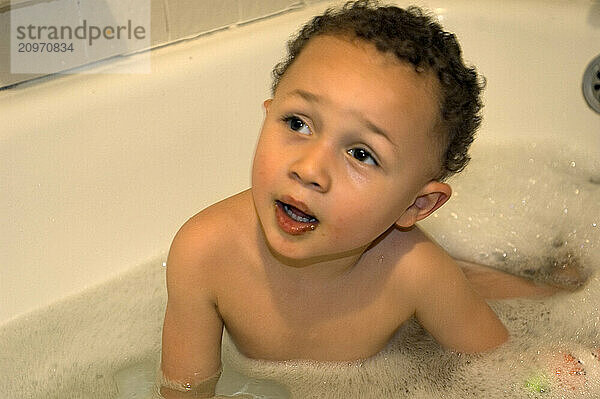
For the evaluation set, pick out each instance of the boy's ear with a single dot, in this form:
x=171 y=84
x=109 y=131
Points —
x=267 y=103
x=433 y=195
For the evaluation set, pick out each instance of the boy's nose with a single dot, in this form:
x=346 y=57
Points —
x=310 y=170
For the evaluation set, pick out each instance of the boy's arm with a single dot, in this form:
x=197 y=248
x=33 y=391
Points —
x=446 y=305
x=191 y=339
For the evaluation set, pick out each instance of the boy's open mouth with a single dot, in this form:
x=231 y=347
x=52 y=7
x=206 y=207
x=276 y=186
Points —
x=292 y=220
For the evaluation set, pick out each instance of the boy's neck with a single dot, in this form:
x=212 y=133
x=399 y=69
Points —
x=317 y=269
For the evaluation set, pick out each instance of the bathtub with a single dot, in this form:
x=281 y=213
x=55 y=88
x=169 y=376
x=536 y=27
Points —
x=99 y=170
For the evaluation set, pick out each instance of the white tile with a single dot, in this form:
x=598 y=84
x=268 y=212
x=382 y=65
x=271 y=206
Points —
x=253 y=9
x=6 y=77
x=133 y=16
x=158 y=18
x=190 y=17
x=55 y=14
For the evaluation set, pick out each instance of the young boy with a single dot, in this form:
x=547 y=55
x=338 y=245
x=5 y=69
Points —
x=321 y=258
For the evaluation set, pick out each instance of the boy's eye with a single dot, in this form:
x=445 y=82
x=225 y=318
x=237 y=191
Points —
x=296 y=124
x=362 y=155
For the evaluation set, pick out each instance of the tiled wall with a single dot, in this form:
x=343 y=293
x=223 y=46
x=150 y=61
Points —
x=171 y=20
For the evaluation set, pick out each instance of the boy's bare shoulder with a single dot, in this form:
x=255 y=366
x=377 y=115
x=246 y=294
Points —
x=443 y=300
x=413 y=247
x=220 y=219
x=211 y=239
x=418 y=260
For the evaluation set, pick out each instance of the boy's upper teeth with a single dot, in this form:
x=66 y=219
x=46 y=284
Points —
x=296 y=217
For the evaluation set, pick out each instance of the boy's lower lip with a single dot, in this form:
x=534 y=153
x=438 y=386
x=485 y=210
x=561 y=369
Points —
x=289 y=225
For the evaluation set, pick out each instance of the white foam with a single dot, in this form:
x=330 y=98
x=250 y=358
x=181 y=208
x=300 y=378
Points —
x=519 y=205
x=74 y=348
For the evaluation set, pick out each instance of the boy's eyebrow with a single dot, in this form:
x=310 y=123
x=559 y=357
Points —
x=310 y=97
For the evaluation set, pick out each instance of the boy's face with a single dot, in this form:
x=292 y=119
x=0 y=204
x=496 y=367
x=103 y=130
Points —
x=348 y=139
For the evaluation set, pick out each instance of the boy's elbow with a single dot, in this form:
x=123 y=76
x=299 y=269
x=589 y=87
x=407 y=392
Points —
x=486 y=342
x=498 y=333
x=500 y=337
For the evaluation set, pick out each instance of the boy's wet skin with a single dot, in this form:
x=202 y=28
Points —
x=349 y=140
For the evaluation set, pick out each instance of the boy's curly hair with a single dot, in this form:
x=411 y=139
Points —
x=415 y=37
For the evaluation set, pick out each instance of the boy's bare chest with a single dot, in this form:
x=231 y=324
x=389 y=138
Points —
x=349 y=322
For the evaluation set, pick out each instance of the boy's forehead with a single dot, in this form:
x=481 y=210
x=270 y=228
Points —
x=330 y=44
x=345 y=47
x=350 y=64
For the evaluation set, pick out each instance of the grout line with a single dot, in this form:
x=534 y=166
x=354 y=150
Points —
x=292 y=7
x=12 y=5
x=167 y=14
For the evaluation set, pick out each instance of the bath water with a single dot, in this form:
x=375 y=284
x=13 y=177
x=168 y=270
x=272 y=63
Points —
x=525 y=208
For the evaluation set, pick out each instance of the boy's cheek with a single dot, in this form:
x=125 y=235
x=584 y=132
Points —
x=261 y=171
x=268 y=160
